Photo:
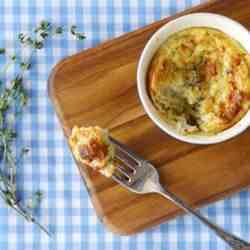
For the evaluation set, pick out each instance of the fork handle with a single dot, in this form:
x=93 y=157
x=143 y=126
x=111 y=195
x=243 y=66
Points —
x=235 y=242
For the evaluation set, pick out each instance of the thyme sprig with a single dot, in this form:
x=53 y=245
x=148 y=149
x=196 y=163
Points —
x=13 y=100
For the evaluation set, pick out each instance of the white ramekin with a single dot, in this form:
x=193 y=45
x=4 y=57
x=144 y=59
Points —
x=225 y=24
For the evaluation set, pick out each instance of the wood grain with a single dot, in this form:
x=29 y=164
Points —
x=98 y=87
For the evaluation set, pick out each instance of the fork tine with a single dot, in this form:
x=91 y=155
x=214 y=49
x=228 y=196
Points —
x=126 y=151
x=120 y=180
x=123 y=171
x=116 y=177
x=127 y=161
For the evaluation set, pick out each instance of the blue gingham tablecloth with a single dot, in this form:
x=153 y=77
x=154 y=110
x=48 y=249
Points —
x=66 y=208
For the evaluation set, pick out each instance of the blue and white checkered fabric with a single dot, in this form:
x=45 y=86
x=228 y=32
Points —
x=67 y=208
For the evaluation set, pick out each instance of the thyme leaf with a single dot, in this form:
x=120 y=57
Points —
x=59 y=30
x=2 y=51
x=75 y=33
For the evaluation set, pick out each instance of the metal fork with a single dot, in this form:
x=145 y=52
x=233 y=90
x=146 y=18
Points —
x=140 y=176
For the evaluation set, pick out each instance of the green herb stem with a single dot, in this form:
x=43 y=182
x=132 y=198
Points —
x=6 y=67
x=12 y=100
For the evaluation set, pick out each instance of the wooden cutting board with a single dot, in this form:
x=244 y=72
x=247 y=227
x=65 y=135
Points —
x=98 y=87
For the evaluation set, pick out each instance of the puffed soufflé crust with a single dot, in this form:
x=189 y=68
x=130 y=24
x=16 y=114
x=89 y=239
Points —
x=199 y=81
